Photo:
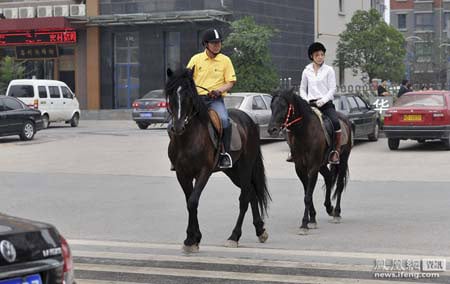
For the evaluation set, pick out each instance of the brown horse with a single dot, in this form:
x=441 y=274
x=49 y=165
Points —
x=310 y=152
x=194 y=156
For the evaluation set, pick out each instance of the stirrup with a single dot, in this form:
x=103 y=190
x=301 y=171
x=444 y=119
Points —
x=222 y=156
x=331 y=154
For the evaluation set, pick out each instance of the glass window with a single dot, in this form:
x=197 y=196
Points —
x=258 y=103
x=446 y=22
x=232 y=101
x=67 y=94
x=54 y=92
x=401 y=24
x=155 y=94
x=12 y=104
x=268 y=100
x=361 y=104
x=1 y=105
x=172 y=50
x=341 y=6
x=352 y=103
x=42 y=92
x=420 y=100
x=21 y=91
x=424 y=21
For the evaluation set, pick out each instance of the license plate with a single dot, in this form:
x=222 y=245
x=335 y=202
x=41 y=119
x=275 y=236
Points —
x=412 y=117
x=146 y=114
x=32 y=279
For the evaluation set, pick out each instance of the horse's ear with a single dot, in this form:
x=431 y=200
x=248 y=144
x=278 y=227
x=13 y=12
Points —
x=169 y=72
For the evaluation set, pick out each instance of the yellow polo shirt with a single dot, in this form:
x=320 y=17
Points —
x=211 y=73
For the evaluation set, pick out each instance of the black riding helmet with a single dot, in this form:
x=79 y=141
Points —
x=317 y=46
x=211 y=35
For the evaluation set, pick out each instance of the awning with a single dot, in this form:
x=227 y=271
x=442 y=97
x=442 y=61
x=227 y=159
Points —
x=50 y=23
x=152 y=18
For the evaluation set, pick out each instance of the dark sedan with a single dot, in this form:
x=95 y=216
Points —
x=33 y=253
x=16 y=118
x=151 y=108
x=365 y=120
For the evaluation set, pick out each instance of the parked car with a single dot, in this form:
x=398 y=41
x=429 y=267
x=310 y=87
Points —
x=364 y=119
x=151 y=108
x=257 y=106
x=53 y=98
x=419 y=116
x=16 y=118
x=33 y=253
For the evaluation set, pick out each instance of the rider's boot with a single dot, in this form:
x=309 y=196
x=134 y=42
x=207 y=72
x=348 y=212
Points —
x=225 y=161
x=334 y=155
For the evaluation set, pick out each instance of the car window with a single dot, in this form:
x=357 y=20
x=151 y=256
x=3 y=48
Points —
x=11 y=104
x=361 y=104
x=1 y=104
x=258 y=103
x=268 y=100
x=155 y=94
x=54 y=92
x=21 y=91
x=42 y=92
x=232 y=101
x=352 y=103
x=337 y=103
x=67 y=94
x=432 y=100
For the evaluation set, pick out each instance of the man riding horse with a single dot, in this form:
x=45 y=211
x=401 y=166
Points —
x=317 y=87
x=214 y=75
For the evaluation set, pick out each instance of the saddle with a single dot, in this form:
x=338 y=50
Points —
x=328 y=129
x=216 y=131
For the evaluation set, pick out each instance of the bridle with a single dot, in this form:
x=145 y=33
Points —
x=288 y=123
x=188 y=117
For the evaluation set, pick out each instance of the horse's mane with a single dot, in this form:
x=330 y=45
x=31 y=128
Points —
x=301 y=106
x=183 y=77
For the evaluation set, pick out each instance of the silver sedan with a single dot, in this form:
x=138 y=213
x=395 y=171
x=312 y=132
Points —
x=257 y=106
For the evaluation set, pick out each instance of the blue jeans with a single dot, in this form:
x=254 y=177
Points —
x=219 y=106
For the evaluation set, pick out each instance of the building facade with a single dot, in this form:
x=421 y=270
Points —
x=425 y=26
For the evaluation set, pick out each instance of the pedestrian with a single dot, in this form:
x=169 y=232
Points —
x=317 y=87
x=214 y=76
x=403 y=88
x=382 y=89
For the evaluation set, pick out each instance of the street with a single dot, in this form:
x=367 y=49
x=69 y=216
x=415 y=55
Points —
x=107 y=187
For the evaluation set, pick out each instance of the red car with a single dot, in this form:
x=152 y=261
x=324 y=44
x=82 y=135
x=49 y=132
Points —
x=419 y=116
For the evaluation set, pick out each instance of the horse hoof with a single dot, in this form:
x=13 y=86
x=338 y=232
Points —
x=303 y=231
x=336 y=220
x=191 y=249
x=231 y=244
x=263 y=237
x=312 y=226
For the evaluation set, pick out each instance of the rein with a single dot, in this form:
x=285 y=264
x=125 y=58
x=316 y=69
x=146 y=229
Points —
x=290 y=112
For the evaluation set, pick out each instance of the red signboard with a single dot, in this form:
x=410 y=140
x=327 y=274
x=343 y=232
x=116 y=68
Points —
x=38 y=37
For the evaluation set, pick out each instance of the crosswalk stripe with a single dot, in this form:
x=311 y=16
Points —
x=220 y=260
x=259 y=250
x=225 y=275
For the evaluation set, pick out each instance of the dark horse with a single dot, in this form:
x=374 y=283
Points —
x=310 y=152
x=195 y=157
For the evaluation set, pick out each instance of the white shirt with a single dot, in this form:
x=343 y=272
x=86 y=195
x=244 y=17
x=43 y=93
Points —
x=320 y=86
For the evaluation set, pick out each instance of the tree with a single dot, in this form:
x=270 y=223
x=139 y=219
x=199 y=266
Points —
x=251 y=57
x=370 y=45
x=9 y=70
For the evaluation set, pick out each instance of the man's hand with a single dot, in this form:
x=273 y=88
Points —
x=321 y=102
x=215 y=94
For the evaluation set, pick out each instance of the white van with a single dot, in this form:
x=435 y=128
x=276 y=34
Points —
x=53 y=98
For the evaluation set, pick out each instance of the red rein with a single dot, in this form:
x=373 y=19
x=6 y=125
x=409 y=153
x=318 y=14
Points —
x=290 y=112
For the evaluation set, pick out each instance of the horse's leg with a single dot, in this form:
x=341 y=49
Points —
x=325 y=172
x=194 y=236
x=312 y=223
x=340 y=185
x=309 y=215
x=190 y=241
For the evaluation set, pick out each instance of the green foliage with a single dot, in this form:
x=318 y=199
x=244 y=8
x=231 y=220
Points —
x=9 y=70
x=251 y=56
x=372 y=46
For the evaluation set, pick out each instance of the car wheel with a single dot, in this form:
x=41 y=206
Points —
x=142 y=125
x=393 y=143
x=75 y=120
x=446 y=143
x=45 y=121
x=375 y=134
x=28 y=131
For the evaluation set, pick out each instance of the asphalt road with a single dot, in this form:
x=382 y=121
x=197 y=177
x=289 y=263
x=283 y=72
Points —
x=106 y=185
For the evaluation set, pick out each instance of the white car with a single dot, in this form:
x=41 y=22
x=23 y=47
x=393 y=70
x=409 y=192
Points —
x=53 y=98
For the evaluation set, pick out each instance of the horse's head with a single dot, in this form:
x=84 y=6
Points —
x=280 y=105
x=182 y=96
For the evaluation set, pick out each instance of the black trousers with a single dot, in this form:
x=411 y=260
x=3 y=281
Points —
x=329 y=110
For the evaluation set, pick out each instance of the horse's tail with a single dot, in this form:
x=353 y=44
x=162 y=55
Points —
x=260 y=183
